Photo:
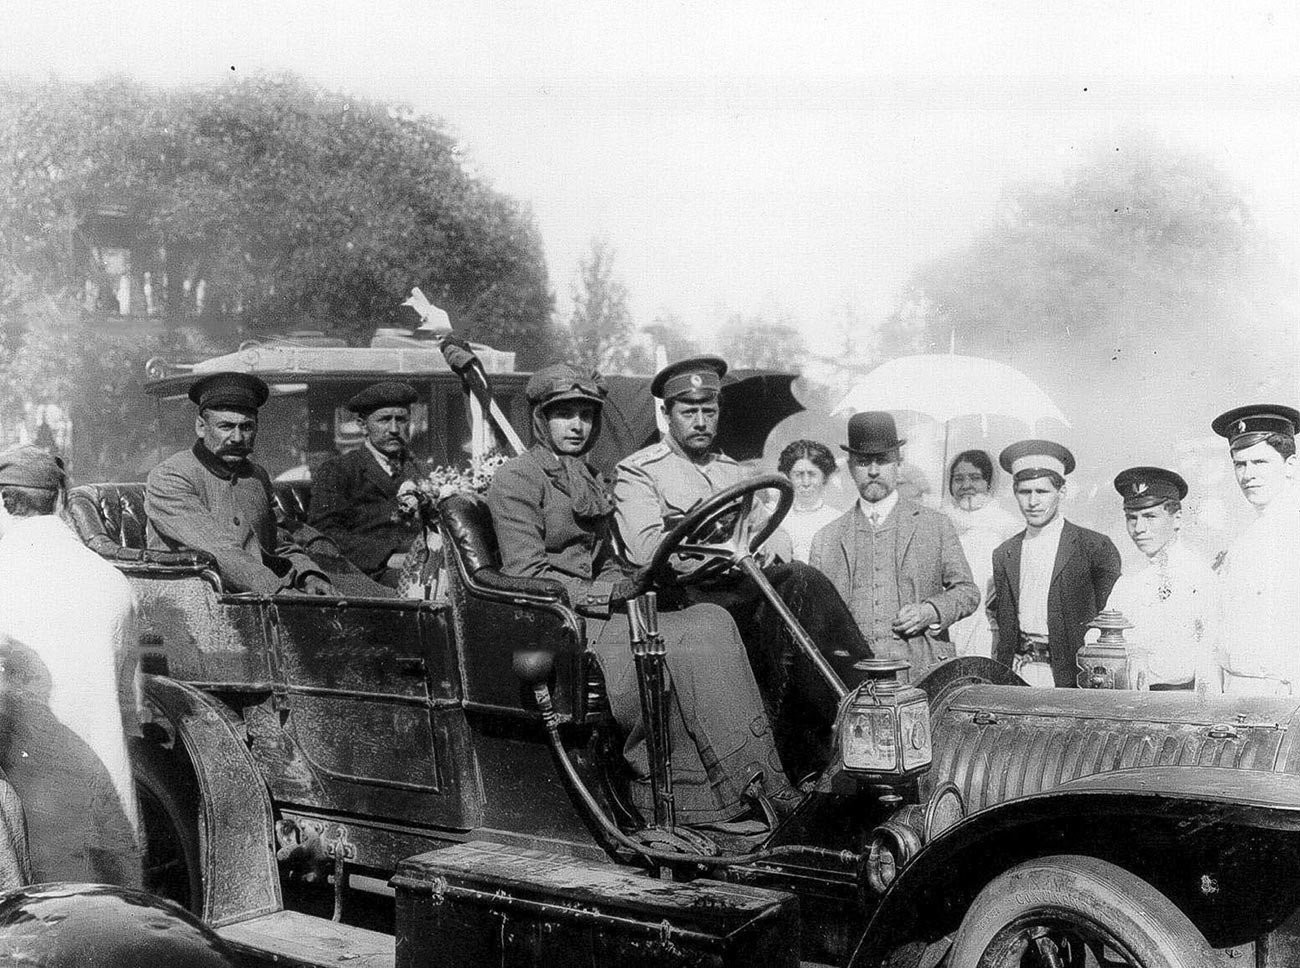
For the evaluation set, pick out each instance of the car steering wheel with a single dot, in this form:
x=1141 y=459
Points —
x=718 y=530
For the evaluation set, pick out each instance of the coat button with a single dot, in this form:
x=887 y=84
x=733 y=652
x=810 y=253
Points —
x=236 y=520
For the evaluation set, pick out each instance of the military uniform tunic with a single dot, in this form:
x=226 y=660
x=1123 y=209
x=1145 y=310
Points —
x=655 y=488
x=1258 y=626
x=1169 y=602
x=657 y=485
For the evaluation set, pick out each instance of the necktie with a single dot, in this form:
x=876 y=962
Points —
x=875 y=519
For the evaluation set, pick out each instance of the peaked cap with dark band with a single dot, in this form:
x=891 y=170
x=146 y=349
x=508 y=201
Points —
x=699 y=374
x=229 y=390
x=1145 y=487
x=1248 y=425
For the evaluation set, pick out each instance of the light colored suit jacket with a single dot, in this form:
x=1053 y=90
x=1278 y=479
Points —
x=929 y=565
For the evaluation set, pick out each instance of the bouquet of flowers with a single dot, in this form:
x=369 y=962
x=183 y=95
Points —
x=416 y=499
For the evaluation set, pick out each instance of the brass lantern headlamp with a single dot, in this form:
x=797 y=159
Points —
x=884 y=725
x=1111 y=662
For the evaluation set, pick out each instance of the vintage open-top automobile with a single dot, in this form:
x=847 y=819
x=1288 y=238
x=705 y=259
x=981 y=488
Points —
x=462 y=751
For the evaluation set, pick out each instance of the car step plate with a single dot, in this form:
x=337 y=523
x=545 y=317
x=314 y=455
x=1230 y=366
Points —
x=302 y=941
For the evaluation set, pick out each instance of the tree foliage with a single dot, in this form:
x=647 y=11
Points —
x=293 y=204
x=758 y=342
x=600 y=324
x=1142 y=273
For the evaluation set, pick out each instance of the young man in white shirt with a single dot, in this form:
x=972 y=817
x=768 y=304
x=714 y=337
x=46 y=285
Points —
x=1051 y=579
x=1259 y=577
x=1168 y=600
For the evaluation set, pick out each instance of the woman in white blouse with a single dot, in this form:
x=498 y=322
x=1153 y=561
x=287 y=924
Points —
x=809 y=466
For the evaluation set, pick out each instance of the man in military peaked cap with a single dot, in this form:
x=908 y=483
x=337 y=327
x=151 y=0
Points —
x=897 y=563
x=1051 y=579
x=354 y=496
x=213 y=497
x=1259 y=577
x=655 y=488
x=1168 y=599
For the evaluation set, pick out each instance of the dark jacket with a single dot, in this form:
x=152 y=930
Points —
x=193 y=500
x=1086 y=569
x=353 y=500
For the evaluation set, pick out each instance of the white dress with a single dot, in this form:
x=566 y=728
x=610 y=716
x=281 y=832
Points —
x=1258 y=618
x=1169 y=601
x=980 y=532
x=801 y=525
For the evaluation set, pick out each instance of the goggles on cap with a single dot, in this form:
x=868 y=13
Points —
x=573 y=386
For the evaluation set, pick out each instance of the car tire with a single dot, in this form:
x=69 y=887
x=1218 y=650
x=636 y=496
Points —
x=1063 y=907
x=169 y=820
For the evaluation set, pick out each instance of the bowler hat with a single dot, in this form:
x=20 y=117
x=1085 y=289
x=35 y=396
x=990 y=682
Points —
x=229 y=390
x=391 y=393
x=872 y=432
x=31 y=467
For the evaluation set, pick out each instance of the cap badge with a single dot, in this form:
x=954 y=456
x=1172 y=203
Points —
x=697 y=381
x=1140 y=488
x=1241 y=426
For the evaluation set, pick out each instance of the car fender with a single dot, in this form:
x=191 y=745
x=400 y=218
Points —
x=1222 y=844
x=236 y=832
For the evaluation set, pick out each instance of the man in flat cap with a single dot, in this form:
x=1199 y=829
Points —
x=1259 y=577
x=1051 y=579
x=898 y=564
x=214 y=498
x=656 y=486
x=354 y=497
x=1169 y=599
x=68 y=646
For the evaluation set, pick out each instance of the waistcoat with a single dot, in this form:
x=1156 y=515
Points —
x=874 y=601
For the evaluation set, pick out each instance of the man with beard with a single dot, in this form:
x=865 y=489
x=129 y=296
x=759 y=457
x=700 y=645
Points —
x=981 y=524
x=354 y=497
x=1259 y=597
x=213 y=498
x=1168 y=600
x=897 y=563
x=1051 y=579
x=656 y=487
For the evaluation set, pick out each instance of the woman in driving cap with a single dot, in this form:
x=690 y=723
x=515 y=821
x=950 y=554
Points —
x=552 y=512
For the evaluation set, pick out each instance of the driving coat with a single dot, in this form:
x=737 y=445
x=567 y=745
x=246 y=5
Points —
x=720 y=735
x=193 y=500
x=929 y=566
x=353 y=500
x=1086 y=568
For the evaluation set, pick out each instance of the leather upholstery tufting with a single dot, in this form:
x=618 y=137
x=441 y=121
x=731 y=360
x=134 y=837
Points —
x=111 y=520
x=467 y=524
x=495 y=614
x=291 y=501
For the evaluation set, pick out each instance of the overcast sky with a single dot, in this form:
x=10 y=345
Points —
x=746 y=156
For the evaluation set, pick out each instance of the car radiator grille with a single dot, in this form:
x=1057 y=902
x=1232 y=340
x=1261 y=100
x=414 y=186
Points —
x=997 y=743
